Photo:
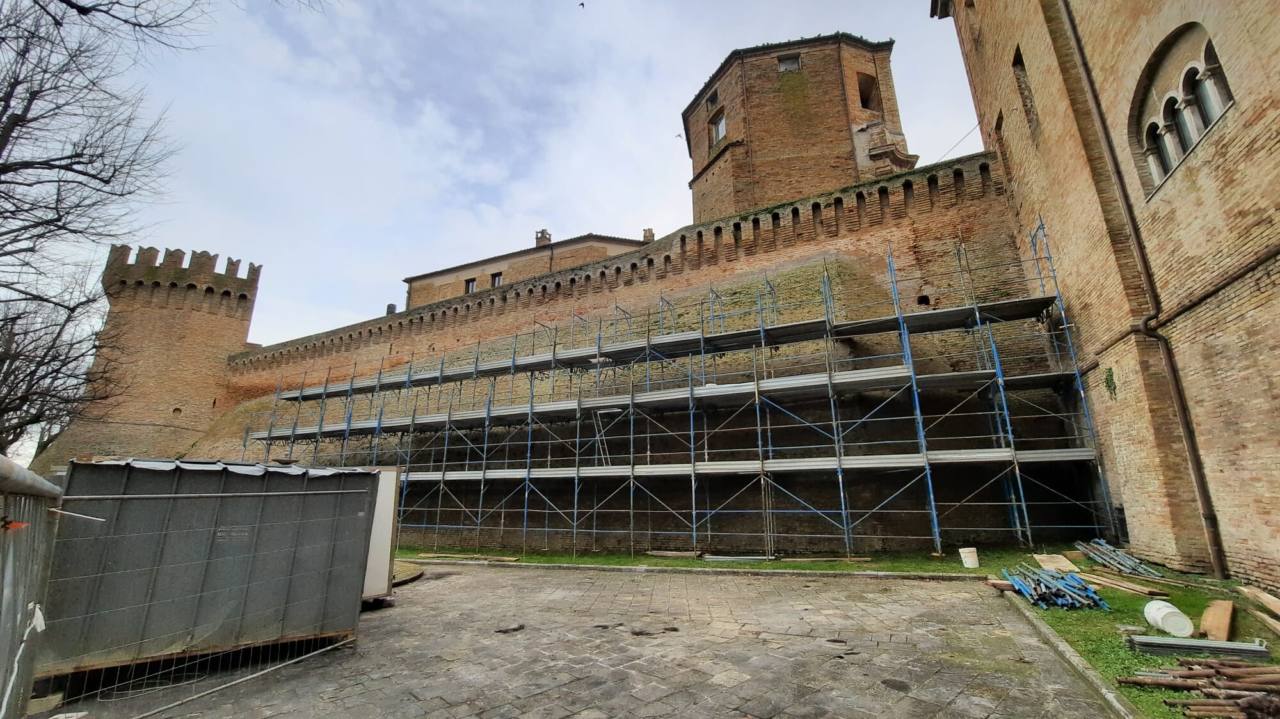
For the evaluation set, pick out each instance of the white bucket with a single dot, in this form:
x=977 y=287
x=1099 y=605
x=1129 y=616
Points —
x=1168 y=618
x=969 y=557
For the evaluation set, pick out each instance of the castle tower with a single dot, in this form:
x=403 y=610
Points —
x=786 y=120
x=170 y=326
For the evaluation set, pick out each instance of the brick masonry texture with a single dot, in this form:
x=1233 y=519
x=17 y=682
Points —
x=794 y=133
x=168 y=333
x=443 y=284
x=1209 y=231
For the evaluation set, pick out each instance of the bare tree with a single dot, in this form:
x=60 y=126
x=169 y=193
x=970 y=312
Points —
x=50 y=365
x=76 y=156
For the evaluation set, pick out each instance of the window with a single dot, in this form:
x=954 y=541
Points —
x=468 y=286
x=789 y=63
x=717 y=128
x=1181 y=94
x=495 y=279
x=713 y=98
x=1023 y=81
x=868 y=92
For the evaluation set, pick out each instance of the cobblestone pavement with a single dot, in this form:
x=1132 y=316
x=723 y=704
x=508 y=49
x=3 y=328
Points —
x=605 y=644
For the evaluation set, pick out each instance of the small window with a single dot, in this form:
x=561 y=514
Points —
x=1023 y=81
x=789 y=63
x=713 y=98
x=717 y=128
x=495 y=279
x=468 y=286
x=868 y=92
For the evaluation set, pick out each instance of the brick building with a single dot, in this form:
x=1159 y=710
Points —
x=1146 y=134
x=1162 y=233
x=793 y=119
x=492 y=272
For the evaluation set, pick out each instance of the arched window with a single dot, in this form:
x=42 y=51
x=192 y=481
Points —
x=1181 y=93
x=1179 y=138
x=1212 y=88
x=1158 y=161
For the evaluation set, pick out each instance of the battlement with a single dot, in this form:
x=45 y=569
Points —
x=903 y=202
x=178 y=282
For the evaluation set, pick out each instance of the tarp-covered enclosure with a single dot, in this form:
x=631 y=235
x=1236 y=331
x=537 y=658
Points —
x=198 y=557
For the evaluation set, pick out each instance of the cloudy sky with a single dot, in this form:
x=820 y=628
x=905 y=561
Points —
x=347 y=148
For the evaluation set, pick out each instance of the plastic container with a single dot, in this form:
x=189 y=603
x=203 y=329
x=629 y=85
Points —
x=1168 y=618
x=969 y=557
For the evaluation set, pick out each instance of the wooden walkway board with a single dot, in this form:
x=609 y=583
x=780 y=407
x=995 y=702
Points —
x=1123 y=585
x=1271 y=603
x=1215 y=623
x=1272 y=624
x=1056 y=562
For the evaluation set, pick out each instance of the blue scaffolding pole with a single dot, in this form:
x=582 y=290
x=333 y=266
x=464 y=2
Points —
x=905 y=338
x=1086 y=413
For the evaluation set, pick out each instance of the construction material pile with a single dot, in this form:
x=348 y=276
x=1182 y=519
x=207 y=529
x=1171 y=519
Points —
x=1228 y=688
x=1115 y=558
x=1049 y=588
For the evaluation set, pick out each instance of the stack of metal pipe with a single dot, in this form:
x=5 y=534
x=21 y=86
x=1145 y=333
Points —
x=1115 y=558
x=1047 y=588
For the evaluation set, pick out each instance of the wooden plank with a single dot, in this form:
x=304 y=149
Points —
x=1056 y=562
x=1271 y=603
x=1074 y=555
x=1162 y=580
x=1215 y=623
x=1124 y=586
x=1270 y=623
x=1000 y=584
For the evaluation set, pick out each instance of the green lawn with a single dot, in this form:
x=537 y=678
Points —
x=1092 y=633
x=992 y=560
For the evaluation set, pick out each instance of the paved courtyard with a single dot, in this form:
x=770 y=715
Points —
x=605 y=644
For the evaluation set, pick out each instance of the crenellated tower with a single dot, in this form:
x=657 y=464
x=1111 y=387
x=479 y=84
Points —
x=170 y=326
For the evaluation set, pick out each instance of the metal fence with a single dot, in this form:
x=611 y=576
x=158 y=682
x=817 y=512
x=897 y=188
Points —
x=26 y=544
x=178 y=578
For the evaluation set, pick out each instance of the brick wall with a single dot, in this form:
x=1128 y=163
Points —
x=857 y=223
x=1209 y=233
x=792 y=134
x=168 y=333
x=436 y=286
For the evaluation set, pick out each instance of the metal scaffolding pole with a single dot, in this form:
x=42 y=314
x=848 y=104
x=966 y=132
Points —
x=905 y=336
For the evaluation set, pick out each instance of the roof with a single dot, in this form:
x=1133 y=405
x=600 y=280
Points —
x=245 y=468
x=775 y=46
x=939 y=8
x=580 y=239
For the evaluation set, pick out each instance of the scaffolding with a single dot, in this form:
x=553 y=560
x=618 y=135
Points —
x=756 y=419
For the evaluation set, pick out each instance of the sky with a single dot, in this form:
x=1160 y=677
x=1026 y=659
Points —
x=349 y=147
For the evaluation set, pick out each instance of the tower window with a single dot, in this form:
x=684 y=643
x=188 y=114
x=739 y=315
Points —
x=468 y=285
x=495 y=279
x=1023 y=82
x=717 y=128
x=868 y=92
x=789 y=63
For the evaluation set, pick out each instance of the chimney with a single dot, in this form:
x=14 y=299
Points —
x=541 y=238
x=648 y=234
x=391 y=308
